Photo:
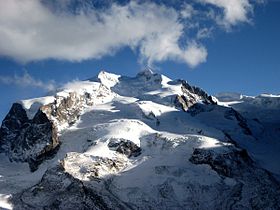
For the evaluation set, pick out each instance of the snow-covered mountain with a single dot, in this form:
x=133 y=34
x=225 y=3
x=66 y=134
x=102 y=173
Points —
x=147 y=142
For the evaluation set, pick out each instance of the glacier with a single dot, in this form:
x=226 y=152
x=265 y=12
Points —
x=143 y=142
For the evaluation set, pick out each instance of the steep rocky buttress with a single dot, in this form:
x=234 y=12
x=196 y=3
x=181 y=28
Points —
x=144 y=142
x=34 y=140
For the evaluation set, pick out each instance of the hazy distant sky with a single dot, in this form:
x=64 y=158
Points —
x=219 y=45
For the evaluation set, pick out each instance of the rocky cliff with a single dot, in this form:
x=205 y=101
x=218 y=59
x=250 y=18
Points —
x=33 y=140
x=36 y=139
x=144 y=142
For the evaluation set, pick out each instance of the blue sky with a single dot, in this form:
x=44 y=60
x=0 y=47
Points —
x=219 y=45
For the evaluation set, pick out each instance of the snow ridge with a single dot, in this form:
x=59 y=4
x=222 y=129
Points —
x=144 y=142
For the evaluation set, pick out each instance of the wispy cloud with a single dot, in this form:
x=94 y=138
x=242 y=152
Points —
x=30 y=30
x=26 y=80
x=234 y=11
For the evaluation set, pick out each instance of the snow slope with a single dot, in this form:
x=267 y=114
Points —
x=263 y=113
x=136 y=149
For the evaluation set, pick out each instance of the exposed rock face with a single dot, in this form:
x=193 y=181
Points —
x=231 y=114
x=89 y=167
x=125 y=147
x=59 y=190
x=34 y=140
x=199 y=108
x=191 y=96
x=116 y=157
x=198 y=91
x=257 y=189
x=28 y=140
x=229 y=164
x=66 y=110
x=241 y=185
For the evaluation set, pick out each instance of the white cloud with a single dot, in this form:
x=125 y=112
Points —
x=195 y=54
x=235 y=11
x=30 y=31
x=27 y=81
x=187 y=11
x=204 y=33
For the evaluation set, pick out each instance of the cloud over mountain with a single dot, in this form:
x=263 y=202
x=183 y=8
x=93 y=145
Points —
x=30 y=30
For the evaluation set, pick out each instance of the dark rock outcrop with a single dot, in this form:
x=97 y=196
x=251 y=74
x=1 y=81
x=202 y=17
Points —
x=191 y=96
x=70 y=193
x=13 y=121
x=207 y=99
x=27 y=140
x=226 y=114
x=257 y=188
x=125 y=147
x=67 y=110
x=199 y=108
x=34 y=140
x=242 y=186
x=242 y=122
x=229 y=164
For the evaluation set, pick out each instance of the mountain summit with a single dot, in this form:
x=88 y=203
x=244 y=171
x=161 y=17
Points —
x=143 y=142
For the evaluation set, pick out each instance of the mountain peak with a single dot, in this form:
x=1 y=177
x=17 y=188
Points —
x=134 y=142
x=147 y=72
x=108 y=79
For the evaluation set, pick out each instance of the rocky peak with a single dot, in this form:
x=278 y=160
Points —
x=131 y=146
x=14 y=120
x=33 y=140
x=34 y=137
x=192 y=95
x=148 y=72
x=149 y=75
x=24 y=139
